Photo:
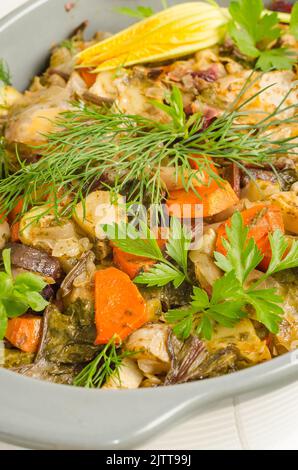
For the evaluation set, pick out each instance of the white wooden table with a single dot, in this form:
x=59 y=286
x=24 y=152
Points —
x=242 y=423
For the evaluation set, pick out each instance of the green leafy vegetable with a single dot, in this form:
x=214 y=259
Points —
x=18 y=294
x=253 y=31
x=106 y=364
x=5 y=77
x=139 y=12
x=144 y=243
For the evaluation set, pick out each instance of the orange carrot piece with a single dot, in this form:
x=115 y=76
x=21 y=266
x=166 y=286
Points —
x=119 y=307
x=25 y=332
x=12 y=216
x=15 y=232
x=15 y=225
x=214 y=198
x=132 y=264
x=89 y=78
x=262 y=220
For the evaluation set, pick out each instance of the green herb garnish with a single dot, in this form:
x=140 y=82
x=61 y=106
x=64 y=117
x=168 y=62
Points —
x=253 y=31
x=130 y=240
x=5 y=77
x=225 y=307
x=4 y=159
x=68 y=44
x=94 y=142
x=231 y=296
x=139 y=12
x=106 y=364
x=18 y=294
x=294 y=21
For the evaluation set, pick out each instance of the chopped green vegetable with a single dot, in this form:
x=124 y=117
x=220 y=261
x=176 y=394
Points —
x=18 y=294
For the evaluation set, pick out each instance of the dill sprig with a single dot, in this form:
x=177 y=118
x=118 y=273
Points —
x=5 y=77
x=106 y=364
x=94 y=142
x=5 y=160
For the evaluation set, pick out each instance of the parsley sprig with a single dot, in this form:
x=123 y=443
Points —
x=18 y=294
x=143 y=243
x=233 y=298
x=225 y=307
x=254 y=31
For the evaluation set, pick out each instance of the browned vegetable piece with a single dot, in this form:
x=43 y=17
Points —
x=25 y=332
x=191 y=360
x=185 y=358
x=35 y=260
x=233 y=175
x=79 y=268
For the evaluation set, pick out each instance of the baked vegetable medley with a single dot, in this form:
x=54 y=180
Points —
x=149 y=200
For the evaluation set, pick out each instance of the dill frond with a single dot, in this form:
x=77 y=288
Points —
x=94 y=142
x=105 y=365
x=5 y=165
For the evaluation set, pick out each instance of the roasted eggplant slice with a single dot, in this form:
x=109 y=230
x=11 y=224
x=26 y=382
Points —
x=35 y=260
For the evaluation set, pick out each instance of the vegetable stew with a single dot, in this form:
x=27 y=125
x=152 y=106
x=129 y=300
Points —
x=149 y=200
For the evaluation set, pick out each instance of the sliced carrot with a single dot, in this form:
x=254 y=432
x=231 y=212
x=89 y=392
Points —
x=119 y=307
x=88 y=77
x=215 y=198
x=15 y=232
x=262 y=220
x=12 y=218
x=194 y=160
x=25 y=332
x=132 y=264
